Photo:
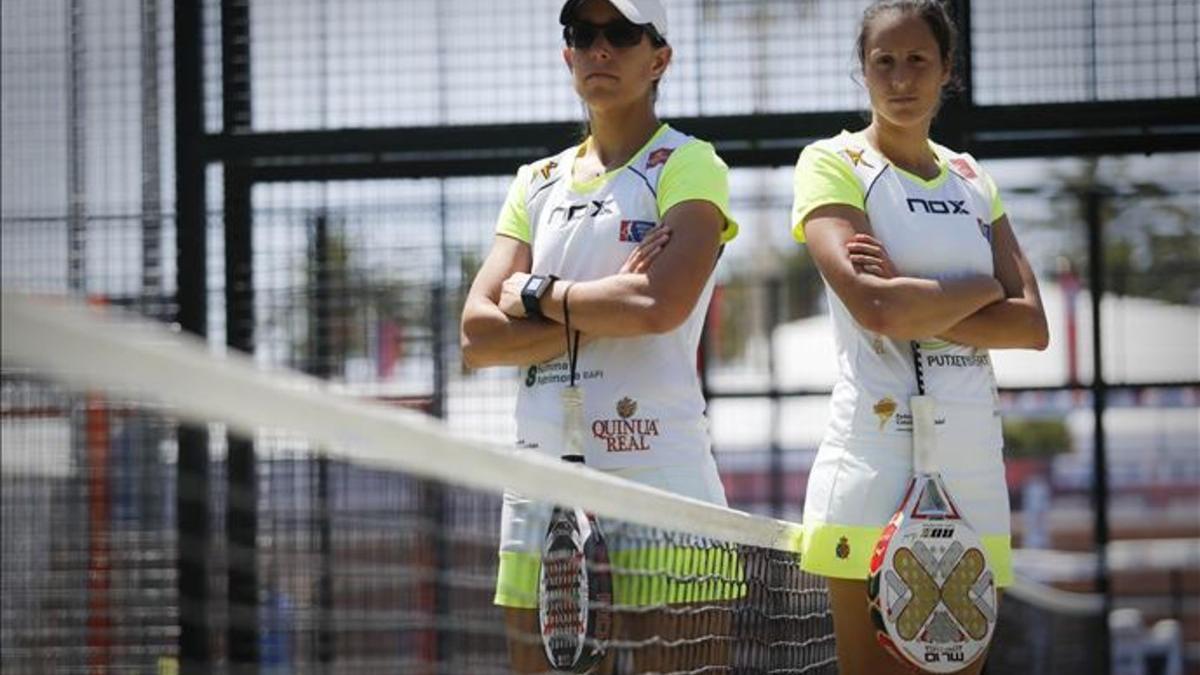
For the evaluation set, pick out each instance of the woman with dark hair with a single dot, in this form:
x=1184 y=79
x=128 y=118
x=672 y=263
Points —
x=581 y=249
x=913 y=244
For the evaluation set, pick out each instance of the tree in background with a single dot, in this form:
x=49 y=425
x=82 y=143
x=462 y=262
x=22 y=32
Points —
x=1152 y=230
x=345 y=311
x=1035 y=438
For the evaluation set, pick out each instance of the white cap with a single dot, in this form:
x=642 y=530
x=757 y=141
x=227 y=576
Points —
x=641 y=12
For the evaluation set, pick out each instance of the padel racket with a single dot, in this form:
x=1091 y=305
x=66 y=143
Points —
x=575 y=587
x=932 y=592
x=575 y=581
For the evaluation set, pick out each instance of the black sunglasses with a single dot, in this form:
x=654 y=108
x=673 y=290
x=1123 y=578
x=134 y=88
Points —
x=620 y=34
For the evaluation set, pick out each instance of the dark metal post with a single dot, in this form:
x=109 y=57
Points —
x=191 y=480
x=151 y=301
x=76 y=152
x=241 y=514
x=1095 y=232
x=320 y=364
x=774 y=297
x=953 y=126
x=241 y=498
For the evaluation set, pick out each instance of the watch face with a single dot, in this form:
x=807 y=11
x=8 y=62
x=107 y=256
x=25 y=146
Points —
x=535 y=284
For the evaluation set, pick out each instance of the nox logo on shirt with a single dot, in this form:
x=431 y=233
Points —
x=635 y=230
x=566 y=214
x=937 y=206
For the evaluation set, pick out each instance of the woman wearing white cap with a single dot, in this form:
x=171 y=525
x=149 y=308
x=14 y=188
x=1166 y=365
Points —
x=583 y=239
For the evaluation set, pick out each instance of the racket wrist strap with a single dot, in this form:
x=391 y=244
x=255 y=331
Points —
x=923 y=410
x=917 y=368
x=572 y=337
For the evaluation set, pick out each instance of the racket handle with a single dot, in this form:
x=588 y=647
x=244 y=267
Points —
x=923 y=409
x=572 y=398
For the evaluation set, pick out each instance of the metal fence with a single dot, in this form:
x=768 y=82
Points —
x=316 y=182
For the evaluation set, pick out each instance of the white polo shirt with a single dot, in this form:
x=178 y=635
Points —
x=933 y=229
x=642 y=400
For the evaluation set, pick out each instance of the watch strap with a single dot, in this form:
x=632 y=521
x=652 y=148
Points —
x=531 y=293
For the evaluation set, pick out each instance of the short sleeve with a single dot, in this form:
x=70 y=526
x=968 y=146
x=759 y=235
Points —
x=997 y=207
x=514 y=218
x=694 y=171
x=821 y=178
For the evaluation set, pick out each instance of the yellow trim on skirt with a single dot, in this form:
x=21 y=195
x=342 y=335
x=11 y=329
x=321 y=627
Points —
x=844 y=551
x=642 y=577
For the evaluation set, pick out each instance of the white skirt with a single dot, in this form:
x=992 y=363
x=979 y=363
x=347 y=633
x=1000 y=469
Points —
x=523 y=522
x=523 y=533
x=855 y=487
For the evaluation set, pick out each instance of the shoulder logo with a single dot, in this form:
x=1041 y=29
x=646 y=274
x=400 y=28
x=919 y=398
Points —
x=856 y=157
x=634 y=230
x=547 y=168
x=984 y=229
x=658 y=157
x=964 y=168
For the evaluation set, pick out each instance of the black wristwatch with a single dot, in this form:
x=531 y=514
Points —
x=531 y=294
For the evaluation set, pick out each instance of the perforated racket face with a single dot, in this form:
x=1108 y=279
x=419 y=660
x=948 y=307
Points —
x=932 y=594
x=575 y=590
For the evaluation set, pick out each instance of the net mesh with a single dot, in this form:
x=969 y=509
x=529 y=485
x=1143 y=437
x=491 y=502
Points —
x=355 y=566
x=357 y=560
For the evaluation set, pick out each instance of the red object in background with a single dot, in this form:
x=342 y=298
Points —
x=99 y=579
x=1018 y=471
x=389 y=348
x=1070 y=290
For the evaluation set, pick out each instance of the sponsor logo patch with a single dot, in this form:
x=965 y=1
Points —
x=626 y=433
x=958 y=360
x=937 y=206
x=964 y=168
x=635 y=230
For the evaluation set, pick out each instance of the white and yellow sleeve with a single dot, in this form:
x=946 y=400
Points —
x=821 y=178
x=695 y=172
x=993 y=193
x=514 y=217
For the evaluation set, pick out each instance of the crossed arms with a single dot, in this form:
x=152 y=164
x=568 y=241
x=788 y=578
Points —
x=654 y=291
x=1004 y=311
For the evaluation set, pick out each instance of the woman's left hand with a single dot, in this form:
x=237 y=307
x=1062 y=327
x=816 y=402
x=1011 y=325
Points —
x=868 y=256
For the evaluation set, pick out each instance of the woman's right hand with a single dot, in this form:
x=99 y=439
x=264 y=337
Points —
x=868 y=255
x=642 y=257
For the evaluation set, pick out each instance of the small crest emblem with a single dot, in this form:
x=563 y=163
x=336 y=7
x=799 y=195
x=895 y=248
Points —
x=877 y=345
x=626 y=407
x=884 y=409
x=843 y=548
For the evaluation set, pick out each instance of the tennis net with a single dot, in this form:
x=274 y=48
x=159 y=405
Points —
x=170 y=510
